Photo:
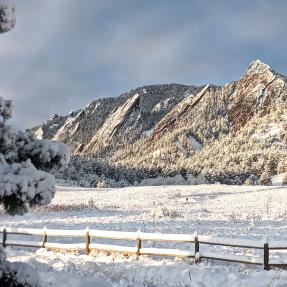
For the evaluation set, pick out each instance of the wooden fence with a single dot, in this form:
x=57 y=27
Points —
x=196 y=249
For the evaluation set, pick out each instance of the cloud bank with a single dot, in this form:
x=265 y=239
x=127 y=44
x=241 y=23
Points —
x=63 y=54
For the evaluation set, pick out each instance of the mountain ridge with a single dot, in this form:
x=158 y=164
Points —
x=158 y=129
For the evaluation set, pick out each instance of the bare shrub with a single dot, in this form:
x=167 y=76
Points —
x=68 y=207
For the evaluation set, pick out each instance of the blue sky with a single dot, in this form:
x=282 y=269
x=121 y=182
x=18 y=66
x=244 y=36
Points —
x=62 y=54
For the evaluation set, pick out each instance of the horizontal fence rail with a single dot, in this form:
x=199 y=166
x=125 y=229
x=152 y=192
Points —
x=194 y=251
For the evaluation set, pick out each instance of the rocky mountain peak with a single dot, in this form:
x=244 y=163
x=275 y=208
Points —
x=256 y=92
x=257 y=67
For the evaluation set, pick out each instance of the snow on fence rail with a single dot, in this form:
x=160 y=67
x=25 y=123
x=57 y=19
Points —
x=138 y=250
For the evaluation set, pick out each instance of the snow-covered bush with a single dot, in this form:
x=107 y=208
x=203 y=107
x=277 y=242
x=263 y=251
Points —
x=102 y=184
x=162 y=212
x=17 y=274
x=265 y=178
x=251 y=180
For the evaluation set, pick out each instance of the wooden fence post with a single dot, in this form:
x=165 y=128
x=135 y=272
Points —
x=88 y=241
x=266 y=257
x=138 y=244
x=45 y=237
x=266 y=254
x=196 y=247
x=4 y=237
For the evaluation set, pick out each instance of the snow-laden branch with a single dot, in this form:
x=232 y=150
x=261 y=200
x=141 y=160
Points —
x=5 y=109
x=22 y=185
x=7 y=16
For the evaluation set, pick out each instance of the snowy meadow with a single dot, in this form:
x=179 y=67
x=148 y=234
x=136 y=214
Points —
x=246 y=212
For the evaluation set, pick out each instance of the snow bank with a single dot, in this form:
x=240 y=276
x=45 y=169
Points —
x=58 y=279
x=61 y=270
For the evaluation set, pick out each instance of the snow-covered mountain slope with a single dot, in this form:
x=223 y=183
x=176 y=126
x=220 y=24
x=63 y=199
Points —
x=149 y=129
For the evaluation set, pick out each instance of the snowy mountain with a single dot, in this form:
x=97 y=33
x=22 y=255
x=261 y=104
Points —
x=234 y=133
x=102 y=120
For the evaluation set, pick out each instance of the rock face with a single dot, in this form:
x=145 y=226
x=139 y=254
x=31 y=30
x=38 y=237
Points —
x=255 y=92
x=113 y=124
x=132 y=113
x=177 y=127
x=167 y=122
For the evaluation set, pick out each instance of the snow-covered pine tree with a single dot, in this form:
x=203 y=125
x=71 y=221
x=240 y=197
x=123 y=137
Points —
x=24 y=180
x=24 y=162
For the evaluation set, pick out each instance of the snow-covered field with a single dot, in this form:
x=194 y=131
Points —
x=227 y=211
